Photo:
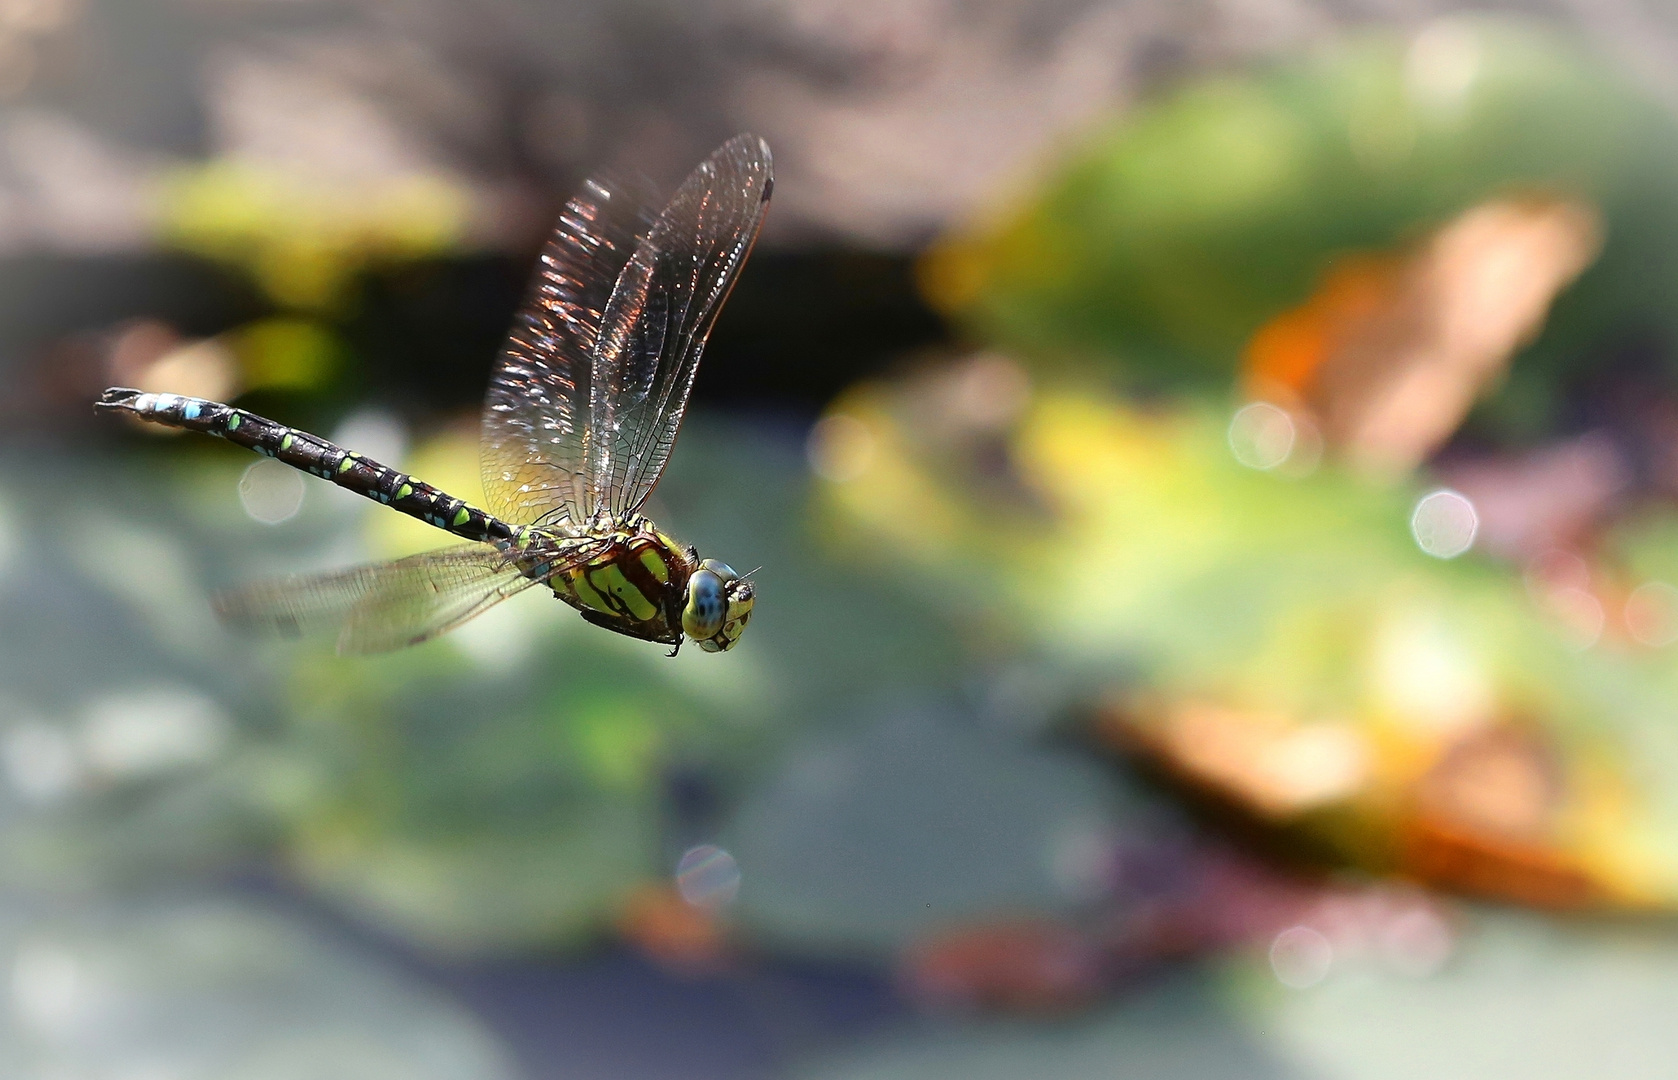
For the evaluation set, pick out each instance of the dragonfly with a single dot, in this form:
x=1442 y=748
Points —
x=581 y=415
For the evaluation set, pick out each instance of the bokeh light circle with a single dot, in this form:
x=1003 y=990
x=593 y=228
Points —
x=1580 y=614
x=1652 y=614
x=271 y=492
x=1300 y=957
x=707 y=877
x=1261 y=435
x=1444 y=523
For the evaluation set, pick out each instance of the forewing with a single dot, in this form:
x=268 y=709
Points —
x=536 y=412
x=654 y=328
x=380 y=606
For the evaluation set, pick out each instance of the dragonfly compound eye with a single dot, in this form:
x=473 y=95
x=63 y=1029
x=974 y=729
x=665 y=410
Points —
x=719 y=605
x=740 y=599
x=721 y=569
x=707 y=605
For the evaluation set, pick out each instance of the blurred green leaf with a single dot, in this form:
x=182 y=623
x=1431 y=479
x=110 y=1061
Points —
x=918 y=821
x=1166 y=239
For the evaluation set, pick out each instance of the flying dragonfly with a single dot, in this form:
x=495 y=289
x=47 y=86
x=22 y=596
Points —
x=581 y=415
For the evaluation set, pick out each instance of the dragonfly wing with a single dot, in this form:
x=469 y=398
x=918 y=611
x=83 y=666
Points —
x=661 y=311
x=536 y=413
x=380 y=606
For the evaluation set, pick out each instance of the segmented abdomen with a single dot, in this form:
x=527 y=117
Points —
x=312 y=454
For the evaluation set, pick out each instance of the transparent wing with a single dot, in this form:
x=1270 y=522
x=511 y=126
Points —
x=654 y=328
x=380 y=606
x=536 y=413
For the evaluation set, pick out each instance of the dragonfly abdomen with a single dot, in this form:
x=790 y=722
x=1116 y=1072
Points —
x=311 y=454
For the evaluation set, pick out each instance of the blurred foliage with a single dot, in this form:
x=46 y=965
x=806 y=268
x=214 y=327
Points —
x=862 y=842
x=129 y=729
x=287 y=354
x=1165 y=241
x=302 y=237
x=1280 y=638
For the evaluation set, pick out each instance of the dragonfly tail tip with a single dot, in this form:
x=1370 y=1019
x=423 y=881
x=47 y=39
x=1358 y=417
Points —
x=117 y=397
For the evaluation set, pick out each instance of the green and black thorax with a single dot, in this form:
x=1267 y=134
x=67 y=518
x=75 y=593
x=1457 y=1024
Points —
x=631 y=578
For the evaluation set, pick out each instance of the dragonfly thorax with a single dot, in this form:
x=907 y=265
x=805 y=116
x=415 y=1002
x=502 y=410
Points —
x=638 y=581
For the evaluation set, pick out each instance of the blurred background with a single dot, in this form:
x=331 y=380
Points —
x=1214 y=468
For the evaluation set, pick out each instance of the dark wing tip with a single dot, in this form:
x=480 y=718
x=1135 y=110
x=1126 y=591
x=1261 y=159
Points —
x=746 y=147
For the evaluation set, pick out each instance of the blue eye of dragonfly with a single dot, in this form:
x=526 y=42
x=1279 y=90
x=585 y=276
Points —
x=721 y=569
x=707 y=605
x=569 y=452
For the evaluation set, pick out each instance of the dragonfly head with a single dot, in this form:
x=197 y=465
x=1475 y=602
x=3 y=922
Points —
x=719 y=602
